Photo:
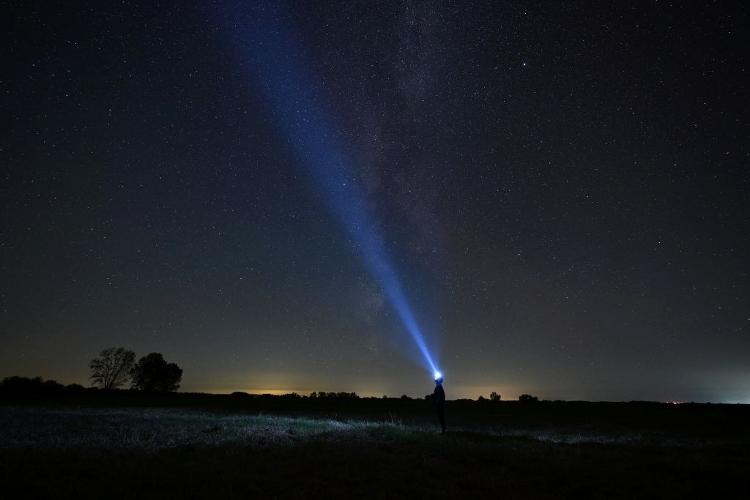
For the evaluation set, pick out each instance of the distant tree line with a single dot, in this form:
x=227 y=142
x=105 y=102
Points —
x=523 y=398
x=116 y=366
x=312 y=395
x=37 y=385
x=334 y=395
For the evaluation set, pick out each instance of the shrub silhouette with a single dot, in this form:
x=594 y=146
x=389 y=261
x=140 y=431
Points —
x=331 y=395
x=153 y=374
x=36 y=385
x=112 y=368
x=494 y=396
x=30 y=385
x=528 y=398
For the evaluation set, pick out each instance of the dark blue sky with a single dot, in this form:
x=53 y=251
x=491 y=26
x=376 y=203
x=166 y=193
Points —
x=562 y=189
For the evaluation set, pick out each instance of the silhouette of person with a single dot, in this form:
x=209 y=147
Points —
x=438 y=396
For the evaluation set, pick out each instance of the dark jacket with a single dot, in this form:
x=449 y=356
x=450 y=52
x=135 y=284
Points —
x=438 y=395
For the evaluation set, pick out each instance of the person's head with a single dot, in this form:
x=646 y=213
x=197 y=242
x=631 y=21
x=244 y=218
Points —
x=439 y=380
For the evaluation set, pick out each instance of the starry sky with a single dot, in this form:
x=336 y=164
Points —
x=561 y=188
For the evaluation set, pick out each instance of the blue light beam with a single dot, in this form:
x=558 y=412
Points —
x=274 y=60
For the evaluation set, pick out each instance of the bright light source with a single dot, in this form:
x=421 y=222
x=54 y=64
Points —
x=438 y=375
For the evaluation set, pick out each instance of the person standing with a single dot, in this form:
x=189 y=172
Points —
x=438 y=397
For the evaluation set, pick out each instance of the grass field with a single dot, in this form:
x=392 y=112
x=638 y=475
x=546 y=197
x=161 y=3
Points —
x=131 y=446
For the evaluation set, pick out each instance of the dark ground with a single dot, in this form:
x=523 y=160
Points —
x=126 y=445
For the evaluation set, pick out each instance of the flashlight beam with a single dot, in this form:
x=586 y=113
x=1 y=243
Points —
x=274 y=60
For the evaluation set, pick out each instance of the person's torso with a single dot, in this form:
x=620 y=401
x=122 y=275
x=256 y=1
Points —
x=439 y=394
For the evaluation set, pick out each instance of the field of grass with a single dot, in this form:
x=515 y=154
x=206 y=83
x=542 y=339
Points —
x=128 y=446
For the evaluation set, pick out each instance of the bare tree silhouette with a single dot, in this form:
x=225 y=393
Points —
x=112 y=368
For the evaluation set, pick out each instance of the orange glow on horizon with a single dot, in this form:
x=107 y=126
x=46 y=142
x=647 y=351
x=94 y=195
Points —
x=458 y=392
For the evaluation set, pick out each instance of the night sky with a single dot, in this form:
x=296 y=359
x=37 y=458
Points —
x=560 y=187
